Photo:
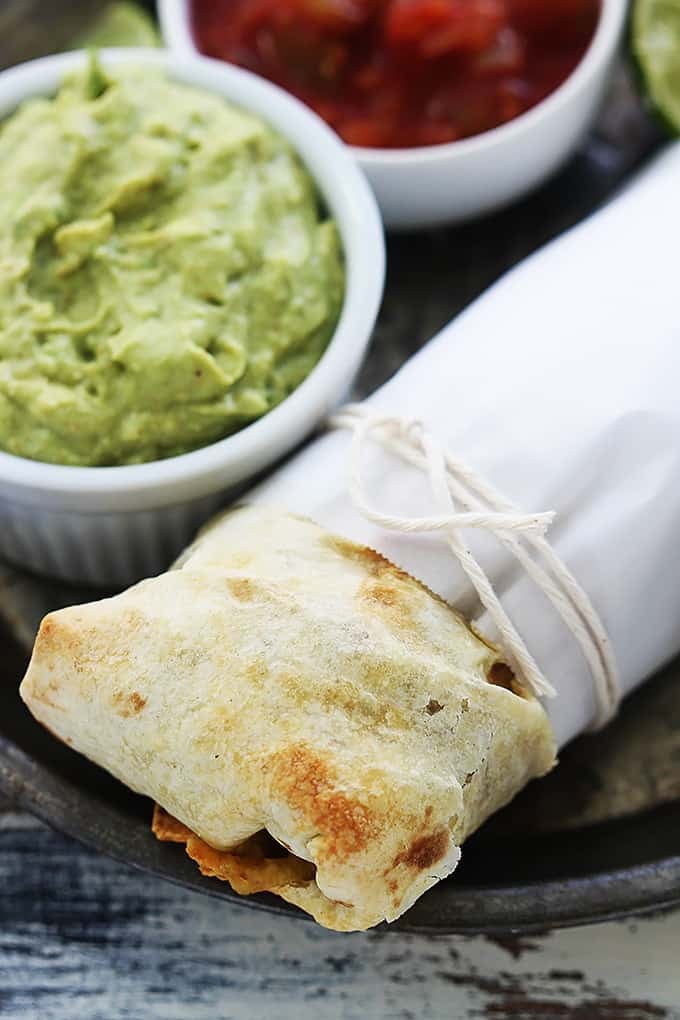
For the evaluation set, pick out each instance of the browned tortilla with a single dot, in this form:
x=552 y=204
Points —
x=285 y=680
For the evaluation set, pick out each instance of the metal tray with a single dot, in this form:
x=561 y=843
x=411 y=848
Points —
x=598 y=838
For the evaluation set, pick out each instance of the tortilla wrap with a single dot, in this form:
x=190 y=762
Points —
x=282 y=678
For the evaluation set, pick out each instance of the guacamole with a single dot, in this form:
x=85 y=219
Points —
x=166 y=272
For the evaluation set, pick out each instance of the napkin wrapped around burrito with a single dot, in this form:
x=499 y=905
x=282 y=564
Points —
x=560 y=387
x=287 y=678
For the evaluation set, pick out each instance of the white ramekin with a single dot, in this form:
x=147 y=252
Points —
x=439 y=184
x=109 y=526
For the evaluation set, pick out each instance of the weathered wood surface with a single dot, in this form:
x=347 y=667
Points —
x=83 y=937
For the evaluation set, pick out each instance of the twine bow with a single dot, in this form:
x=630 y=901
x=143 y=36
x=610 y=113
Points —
x=523 y=535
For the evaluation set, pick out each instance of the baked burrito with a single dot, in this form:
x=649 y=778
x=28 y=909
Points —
x=310 y=720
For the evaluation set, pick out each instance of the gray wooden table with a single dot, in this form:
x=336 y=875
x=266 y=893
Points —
x=83 y=936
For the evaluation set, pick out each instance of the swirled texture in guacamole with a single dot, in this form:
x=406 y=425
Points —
x=166 y=272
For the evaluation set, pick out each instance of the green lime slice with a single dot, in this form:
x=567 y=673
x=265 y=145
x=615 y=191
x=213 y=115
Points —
x=121 y=24
x=655 y=38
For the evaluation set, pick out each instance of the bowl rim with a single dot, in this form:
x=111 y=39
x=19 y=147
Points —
x=177 y=36
x=353 y=206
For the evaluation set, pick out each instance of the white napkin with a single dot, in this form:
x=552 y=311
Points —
x=561 y=386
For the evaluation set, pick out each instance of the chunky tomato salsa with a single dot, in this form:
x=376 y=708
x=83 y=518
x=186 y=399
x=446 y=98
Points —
x=402 y=73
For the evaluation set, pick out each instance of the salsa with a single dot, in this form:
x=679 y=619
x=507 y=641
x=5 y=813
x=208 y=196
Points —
x=403 y=73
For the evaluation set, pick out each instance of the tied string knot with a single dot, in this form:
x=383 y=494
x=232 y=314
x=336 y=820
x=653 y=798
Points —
x=454 y=485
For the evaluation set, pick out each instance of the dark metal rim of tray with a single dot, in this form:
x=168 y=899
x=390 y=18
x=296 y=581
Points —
x=453 y=907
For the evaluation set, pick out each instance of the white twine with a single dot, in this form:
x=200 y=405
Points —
x=523 y=535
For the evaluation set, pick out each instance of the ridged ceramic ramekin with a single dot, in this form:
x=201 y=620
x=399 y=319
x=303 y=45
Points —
x=109 y=526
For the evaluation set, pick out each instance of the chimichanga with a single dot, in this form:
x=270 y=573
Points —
x=284 y=679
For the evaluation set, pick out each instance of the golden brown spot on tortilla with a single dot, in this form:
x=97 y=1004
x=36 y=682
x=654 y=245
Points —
x=242 y=588
x=501 y=675
x=374 y=591
x=428 y=812
x=71 y=636
x=309 y=786
x=379 y=566
x=60 y=636
x=374 y=562
x=433 y=707
x=257 y=671
x=128 y=704
x=390 y=600
x=424 y=851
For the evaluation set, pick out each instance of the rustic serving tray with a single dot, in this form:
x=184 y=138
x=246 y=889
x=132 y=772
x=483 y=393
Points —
x=598 y=838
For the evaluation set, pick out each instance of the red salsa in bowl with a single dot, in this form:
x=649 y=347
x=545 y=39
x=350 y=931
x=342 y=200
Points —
x=403 y=73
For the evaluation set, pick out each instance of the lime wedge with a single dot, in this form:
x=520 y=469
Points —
x=121 y=24
x=655 y=38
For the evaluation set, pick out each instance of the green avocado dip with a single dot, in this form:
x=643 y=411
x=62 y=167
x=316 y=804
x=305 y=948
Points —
x=166 y=272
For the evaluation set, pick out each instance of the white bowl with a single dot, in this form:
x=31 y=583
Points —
x=110 y=525
x=439 y=184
